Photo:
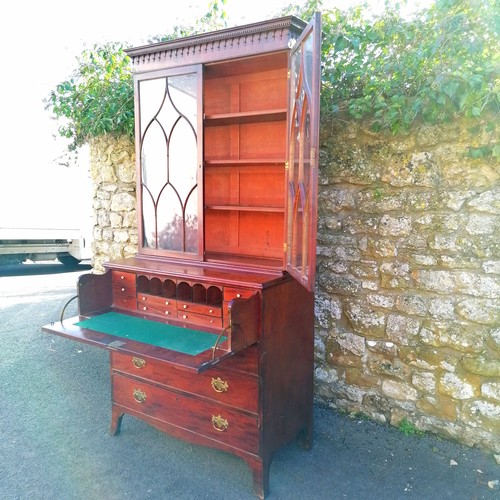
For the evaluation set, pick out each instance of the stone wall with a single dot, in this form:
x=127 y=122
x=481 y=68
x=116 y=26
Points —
x=112 y=167
x=408 y=296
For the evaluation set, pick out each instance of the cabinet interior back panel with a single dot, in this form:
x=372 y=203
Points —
x=257 y=234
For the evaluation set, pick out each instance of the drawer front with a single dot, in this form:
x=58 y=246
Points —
x=119 y=277
x=231 y=389
x=199 y=319
x=124 y=301
x=203 y=417
x=237 y=293
x=123 y=284
x=199 y=308
x=158 y=305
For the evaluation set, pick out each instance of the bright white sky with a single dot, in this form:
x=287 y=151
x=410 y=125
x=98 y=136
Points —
x=41 y=39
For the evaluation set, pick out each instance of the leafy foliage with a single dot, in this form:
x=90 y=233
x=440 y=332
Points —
x=98 y=99
x=441 y=63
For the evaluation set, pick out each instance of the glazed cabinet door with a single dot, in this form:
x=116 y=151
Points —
x=303 y=141
x=169 y=152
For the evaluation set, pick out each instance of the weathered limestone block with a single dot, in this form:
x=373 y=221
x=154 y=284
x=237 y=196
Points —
x=327 y=309
x=459 y=387
x=487 y=202
x=413 y=304
x=424 y=381
x=378 y=200
x=338 y=355
x=438 y=406
x=482 y=224
x=350 y=342
x=383 y=301
x=462 y=337
x=332 y=282
x=363 y=224
x=116 y=220
x=491 y=267
x=375 y=247
x=364 y=320
x=482 y=414
x=355 y=376
x=386 y=347
x=442 y=308
x=482 y=365
x=402 y=329
x=388 y=366
x=484 y=311
x=491 y=390
x=336 y=200
x=420 y=169
x=120 y=236
x=399 y=390
x=122 y=202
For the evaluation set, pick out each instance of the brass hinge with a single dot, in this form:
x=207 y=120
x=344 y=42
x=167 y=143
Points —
x=288 y=74
x=285 y=247
x=313 y=153
x=286 y=165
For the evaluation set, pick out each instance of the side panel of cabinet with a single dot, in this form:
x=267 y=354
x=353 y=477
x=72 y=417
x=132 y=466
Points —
x=286 y=364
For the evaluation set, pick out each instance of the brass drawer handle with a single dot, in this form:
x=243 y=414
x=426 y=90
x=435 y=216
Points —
x=219 y=385
x=219 y=424
x=139 y=396
x=138 y=362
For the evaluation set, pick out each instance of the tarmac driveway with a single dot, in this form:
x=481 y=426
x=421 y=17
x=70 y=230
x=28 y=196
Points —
x=55 y=444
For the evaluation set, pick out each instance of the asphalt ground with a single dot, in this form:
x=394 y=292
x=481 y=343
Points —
x=55 y=442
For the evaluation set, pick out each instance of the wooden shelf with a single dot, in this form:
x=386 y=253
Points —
x=243 y=163
x=270 y=115
x=246 y=208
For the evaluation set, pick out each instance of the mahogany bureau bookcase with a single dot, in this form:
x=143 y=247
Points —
x=210 y=326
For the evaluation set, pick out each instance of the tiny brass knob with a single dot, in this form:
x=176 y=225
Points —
x=219 y=424
x=144 y=298
x=184 y=316
x=123 y=289
x=238 y=295
x=219 y=385
x=167 y=302
x=185 y=306
x=139 y=396
x=210 y=311
x=167 y=312
x=144 y=308
x=122 y=277
x=138 y=362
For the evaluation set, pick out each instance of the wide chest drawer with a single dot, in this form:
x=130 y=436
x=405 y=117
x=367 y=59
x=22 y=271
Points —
x=207 y=418
x=228 y=388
